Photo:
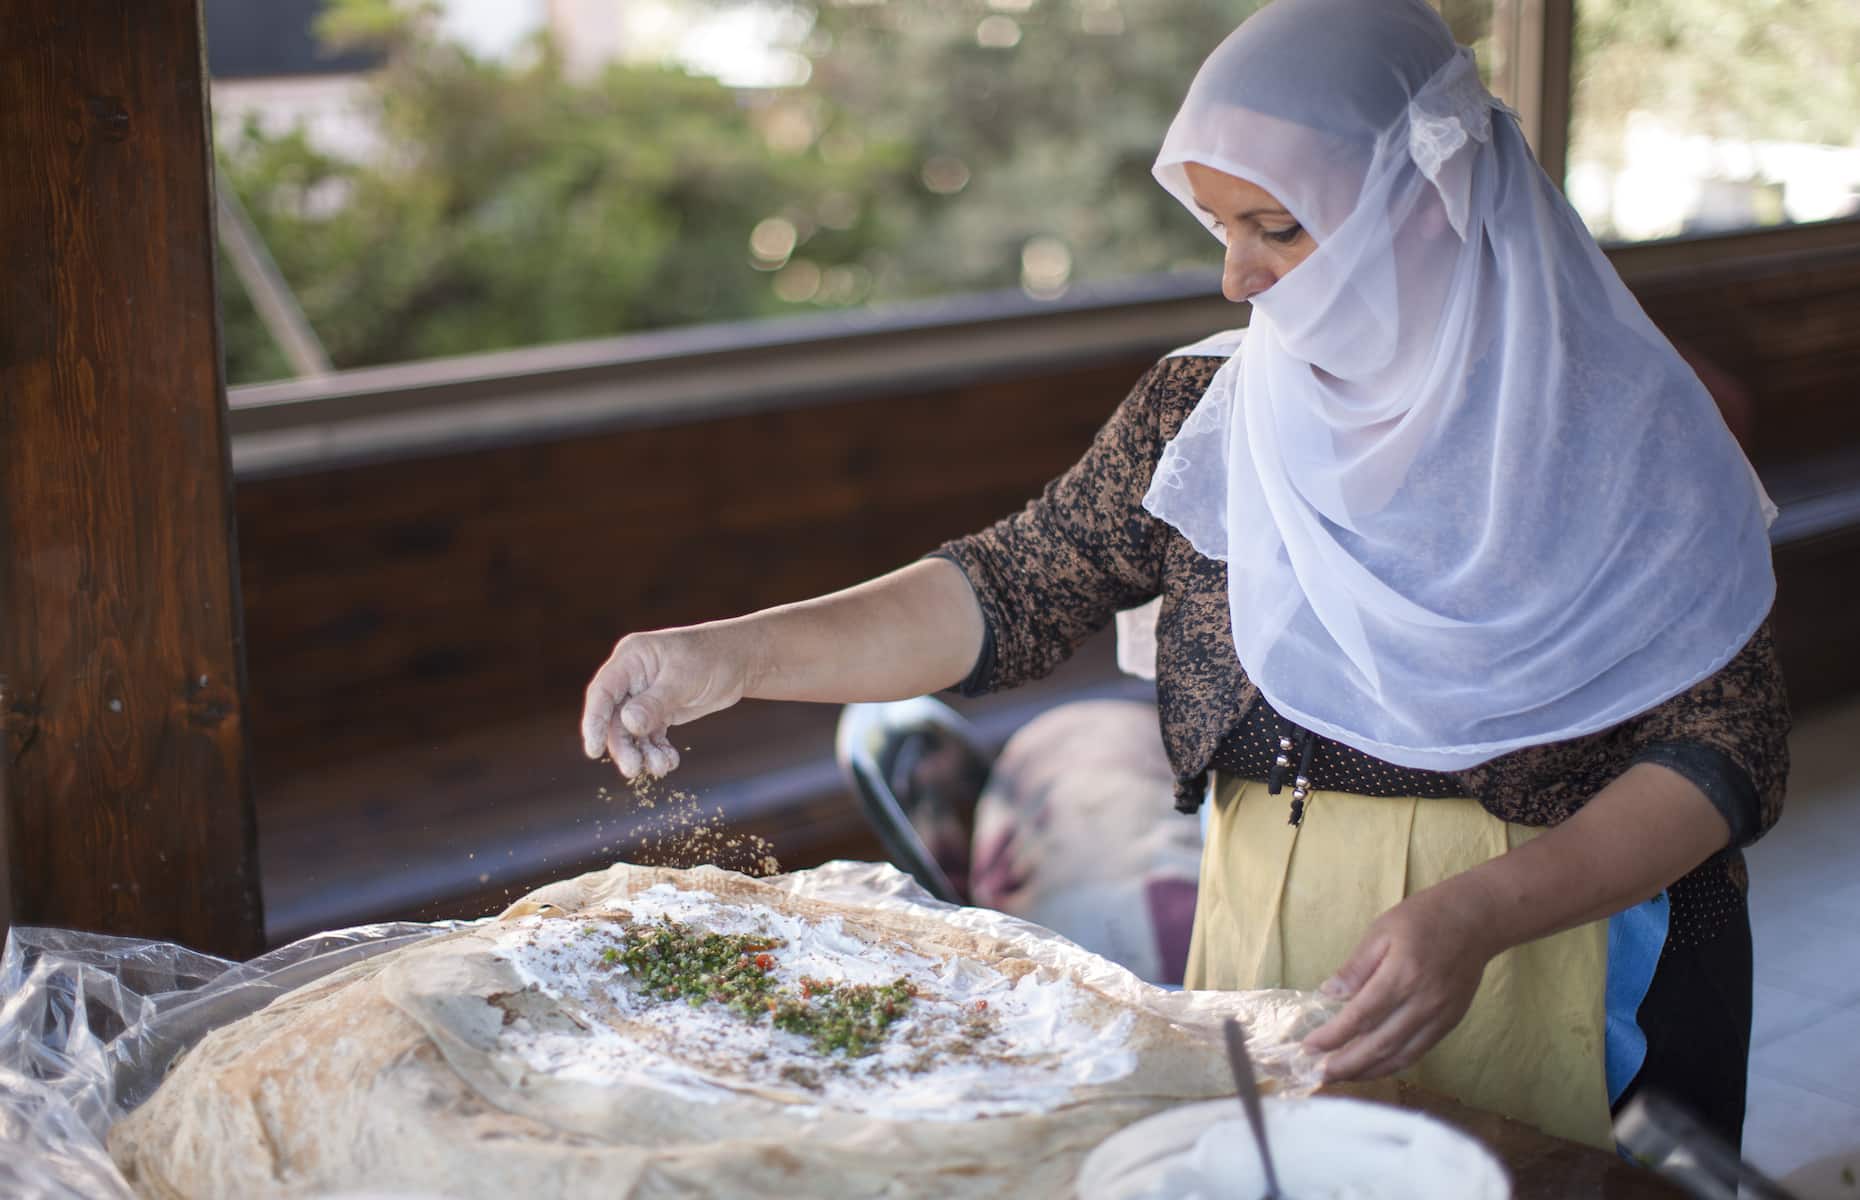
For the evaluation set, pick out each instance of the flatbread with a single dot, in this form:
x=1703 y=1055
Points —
x=514 y=1058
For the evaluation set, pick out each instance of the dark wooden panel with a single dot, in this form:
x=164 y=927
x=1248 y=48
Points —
x=397 y=603
x=1816 y=634
x=1788 y=332
x=127 y=800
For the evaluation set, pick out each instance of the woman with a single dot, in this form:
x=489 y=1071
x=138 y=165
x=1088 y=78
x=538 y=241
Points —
x=1464 y=591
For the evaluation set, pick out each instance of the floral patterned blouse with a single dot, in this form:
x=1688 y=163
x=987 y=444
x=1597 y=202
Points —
x=1056 y=572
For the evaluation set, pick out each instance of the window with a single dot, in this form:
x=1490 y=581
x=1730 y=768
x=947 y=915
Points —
x=1705 y=116
x=410 y=179
x=599 y=168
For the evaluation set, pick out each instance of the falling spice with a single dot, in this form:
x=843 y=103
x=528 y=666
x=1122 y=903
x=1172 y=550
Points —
x=666 y=826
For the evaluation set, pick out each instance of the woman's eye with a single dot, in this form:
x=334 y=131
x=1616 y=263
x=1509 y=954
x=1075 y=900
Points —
x=1286 y=236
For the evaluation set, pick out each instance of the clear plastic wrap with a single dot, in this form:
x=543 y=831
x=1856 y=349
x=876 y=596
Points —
x=89 y=1024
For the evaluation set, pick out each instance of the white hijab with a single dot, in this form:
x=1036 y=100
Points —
x=1469 y=497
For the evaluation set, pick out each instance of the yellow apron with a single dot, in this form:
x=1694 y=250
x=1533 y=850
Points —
x=1284 y=906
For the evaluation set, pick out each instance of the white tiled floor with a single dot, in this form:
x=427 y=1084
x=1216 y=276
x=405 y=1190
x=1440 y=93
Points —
x=1803 y=1122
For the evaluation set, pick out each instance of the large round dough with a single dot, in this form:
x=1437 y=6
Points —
x=416 y=1072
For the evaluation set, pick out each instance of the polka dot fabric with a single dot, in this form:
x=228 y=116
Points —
x=1704 y=903
x=1249 y=750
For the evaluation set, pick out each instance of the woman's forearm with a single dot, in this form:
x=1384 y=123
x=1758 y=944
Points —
x=1416 y=970
x=915 y=630
x=1632 y=839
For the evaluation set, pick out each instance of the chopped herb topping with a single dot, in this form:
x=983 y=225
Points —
x=847 y=1017
x=673 y=961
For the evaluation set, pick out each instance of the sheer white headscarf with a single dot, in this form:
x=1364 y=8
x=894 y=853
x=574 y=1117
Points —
x=1469 y=497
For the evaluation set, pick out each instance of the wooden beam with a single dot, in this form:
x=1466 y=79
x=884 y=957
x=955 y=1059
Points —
x=6 y=855
x=1556 y=43
x=1536 y=40
x=127 y=800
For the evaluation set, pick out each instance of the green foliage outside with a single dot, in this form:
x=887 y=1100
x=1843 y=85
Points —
x=933 y=144
x=1733 y=70
x=1781 y=70
x=515 y=205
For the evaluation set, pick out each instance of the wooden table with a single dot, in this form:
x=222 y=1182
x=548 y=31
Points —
x=1542 y=1167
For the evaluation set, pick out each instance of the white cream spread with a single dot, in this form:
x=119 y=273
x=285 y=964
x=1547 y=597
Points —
x=1039 y=1047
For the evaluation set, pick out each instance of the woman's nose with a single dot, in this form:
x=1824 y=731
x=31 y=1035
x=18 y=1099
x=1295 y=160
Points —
x=1244 y=275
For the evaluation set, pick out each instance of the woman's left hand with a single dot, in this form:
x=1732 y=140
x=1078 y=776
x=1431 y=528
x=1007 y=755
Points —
x=1409 y=982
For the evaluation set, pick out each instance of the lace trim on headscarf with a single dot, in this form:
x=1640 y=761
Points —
x=1451 y=109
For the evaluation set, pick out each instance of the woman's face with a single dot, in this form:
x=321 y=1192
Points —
x=1264 y=241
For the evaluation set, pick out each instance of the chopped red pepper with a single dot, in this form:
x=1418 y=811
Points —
x=765 y=962
x=981 y=1006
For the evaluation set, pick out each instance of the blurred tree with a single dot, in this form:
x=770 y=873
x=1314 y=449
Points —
x=1779 y=70
x=938 y=146
x=512 y=206
x=1032 y=124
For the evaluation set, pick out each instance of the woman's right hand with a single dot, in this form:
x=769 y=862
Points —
x=653 y=681
x=912 y=631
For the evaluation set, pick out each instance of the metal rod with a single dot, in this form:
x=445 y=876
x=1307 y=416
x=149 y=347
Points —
x=270 y=292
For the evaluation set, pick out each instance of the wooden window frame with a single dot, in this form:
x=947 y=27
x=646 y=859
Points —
x=1537 y=40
